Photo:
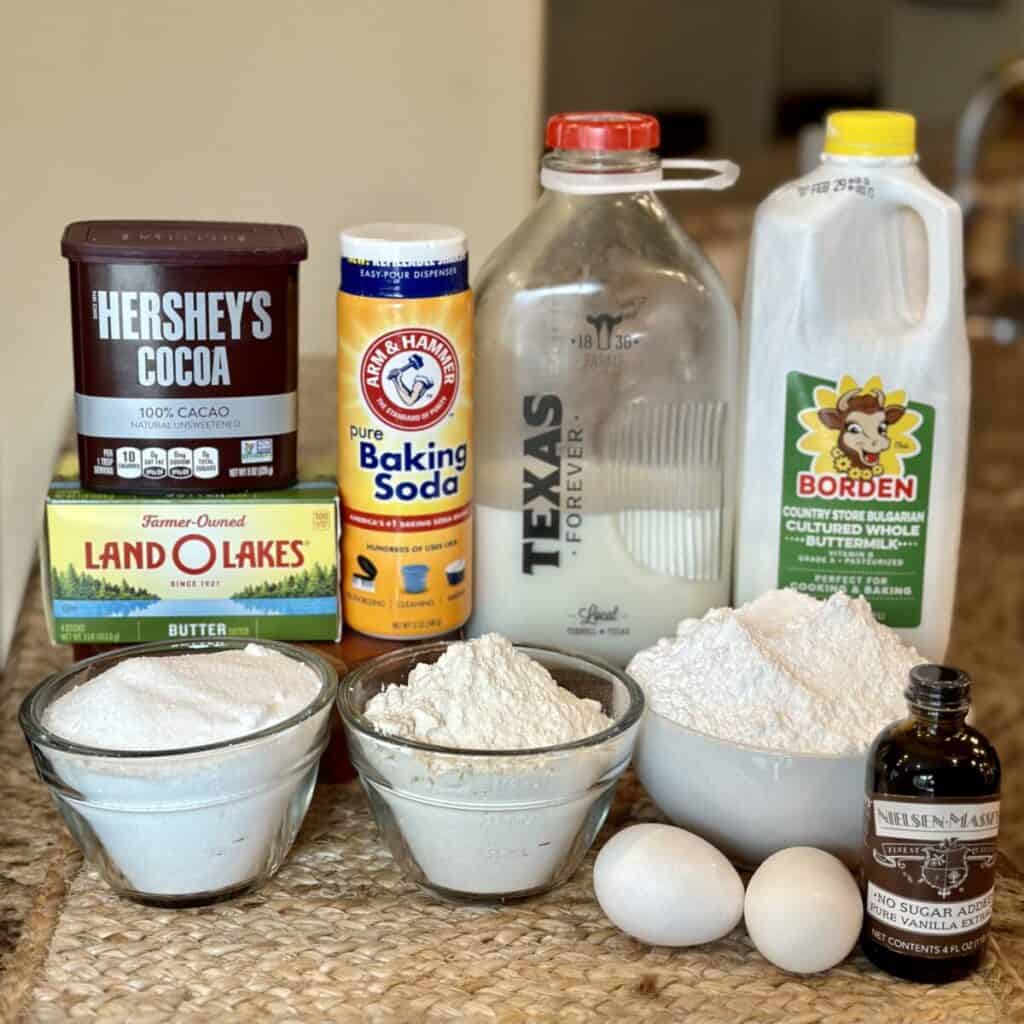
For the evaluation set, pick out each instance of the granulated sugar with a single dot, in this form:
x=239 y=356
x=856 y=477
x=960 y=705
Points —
x=785 y=672
x=485 y=695
x=191 y=823
x=188 y=700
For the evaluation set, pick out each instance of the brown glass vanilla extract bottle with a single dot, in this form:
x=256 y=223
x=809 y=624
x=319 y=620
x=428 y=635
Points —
x=931 y=824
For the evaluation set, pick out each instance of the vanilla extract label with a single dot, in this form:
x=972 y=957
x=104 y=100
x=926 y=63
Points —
x=926 y=917
x=896 y=819
x=929 y=872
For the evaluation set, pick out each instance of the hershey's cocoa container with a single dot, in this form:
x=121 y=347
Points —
x=186 y=354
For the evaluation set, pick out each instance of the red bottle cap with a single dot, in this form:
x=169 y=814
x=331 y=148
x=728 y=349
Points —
x=603 y=130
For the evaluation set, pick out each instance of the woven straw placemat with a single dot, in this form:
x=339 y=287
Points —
x=339 y=934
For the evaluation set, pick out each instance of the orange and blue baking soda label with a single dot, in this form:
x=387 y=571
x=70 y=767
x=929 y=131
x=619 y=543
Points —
x=405 y=411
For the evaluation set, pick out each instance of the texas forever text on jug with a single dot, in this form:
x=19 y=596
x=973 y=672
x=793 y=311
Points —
x=186 y=353
x=405 y=401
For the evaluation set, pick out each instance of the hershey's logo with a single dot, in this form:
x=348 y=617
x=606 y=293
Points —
x=182 y=316
x=542 y=489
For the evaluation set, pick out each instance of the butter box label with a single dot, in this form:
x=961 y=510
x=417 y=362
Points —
x=124 y=570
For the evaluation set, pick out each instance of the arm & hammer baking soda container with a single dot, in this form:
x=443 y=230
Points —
x=857 y=384
x=405 y=402
x=607 y=370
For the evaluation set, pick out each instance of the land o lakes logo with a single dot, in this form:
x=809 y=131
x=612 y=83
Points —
x=859 y=439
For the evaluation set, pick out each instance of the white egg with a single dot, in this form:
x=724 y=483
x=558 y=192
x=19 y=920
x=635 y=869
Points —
x=667 y=887
x=803 y=910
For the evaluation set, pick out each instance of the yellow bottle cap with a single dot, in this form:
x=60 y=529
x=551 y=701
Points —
x=870 y=133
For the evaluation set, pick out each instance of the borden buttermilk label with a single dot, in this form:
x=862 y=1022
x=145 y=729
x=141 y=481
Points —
x=404 y=459
x=855 y=484
x=123 y=569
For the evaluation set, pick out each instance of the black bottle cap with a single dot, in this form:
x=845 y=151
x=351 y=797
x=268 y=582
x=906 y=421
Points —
x=939 y=688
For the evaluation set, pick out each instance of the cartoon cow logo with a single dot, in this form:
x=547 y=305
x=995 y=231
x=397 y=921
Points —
x=862 y=422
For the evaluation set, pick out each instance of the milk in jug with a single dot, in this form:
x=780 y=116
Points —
x=857 y=384
x=606 y=420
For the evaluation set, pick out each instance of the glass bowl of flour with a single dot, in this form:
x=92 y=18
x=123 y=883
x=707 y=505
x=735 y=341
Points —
x=489 y=767
x=183 y=769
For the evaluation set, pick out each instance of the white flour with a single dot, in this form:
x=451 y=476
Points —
x=512 y=822
x=485 y=695
x=785 y=672
x=186 y=700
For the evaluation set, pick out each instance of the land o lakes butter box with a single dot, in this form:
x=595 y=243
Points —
x=124 y=569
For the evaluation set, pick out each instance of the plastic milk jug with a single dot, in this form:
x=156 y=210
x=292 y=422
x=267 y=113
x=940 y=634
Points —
x=857 y=385
x=607 y=376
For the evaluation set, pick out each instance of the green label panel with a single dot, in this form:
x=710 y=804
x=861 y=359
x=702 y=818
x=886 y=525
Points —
x=137 y=630
x=855 y=481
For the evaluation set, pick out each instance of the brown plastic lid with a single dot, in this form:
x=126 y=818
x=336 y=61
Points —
x=190 y=242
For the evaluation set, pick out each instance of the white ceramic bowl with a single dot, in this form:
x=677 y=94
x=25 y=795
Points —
x=751 y=802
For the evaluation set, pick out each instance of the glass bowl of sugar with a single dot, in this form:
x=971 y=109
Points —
x=183 y=769
x=489 y=767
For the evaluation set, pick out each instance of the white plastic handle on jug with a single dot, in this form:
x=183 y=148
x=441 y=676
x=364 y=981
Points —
x=724 y=175
x=944 y=232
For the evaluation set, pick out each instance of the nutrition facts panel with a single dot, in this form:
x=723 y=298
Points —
x=178 y=463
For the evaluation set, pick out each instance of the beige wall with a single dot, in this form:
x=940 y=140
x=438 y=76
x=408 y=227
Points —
x=934 y=57
x=830 y=45
x=321 y=113
x=719 y=56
